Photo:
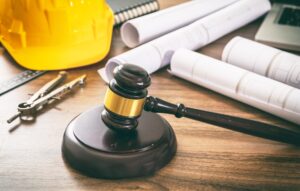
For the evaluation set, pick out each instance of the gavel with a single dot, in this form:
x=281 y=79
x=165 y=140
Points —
x=127 y=97
x=126 y=137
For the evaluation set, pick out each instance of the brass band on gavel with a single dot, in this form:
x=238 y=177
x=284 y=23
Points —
x=123 y=106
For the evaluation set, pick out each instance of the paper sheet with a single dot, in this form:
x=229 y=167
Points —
x=157 y=53
x=263 y=60
x=263 y=93
x=143 y=29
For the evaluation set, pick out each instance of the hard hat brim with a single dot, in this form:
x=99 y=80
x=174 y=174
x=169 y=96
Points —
x=60 y=57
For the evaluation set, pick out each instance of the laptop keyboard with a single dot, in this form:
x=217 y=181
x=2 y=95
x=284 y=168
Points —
x=290 y=16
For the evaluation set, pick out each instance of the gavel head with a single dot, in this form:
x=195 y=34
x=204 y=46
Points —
x=125 y=97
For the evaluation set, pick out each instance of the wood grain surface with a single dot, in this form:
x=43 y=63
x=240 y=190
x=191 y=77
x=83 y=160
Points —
x=208 y=157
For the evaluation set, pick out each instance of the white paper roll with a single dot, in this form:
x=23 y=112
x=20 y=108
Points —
x=157 y=53
x=263 y=93
x=264 y=60
x=143 y=29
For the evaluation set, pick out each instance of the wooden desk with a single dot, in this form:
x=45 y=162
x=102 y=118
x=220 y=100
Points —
x=208 y=157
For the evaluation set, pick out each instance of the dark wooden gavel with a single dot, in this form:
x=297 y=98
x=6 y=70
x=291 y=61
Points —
x=127 y=96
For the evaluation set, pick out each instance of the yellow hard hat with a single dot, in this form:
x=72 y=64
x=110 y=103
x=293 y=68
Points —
x=56 y=34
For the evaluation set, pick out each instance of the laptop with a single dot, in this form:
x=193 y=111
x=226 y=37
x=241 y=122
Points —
x=281 y=27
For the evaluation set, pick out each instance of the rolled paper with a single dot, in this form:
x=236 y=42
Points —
x=157 y=53
x=143 y=29
x=258 y=91
x=264 y=60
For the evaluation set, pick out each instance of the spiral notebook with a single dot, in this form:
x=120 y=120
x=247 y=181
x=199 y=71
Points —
x=129 y=9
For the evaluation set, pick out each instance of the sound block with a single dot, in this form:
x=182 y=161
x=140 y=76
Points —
x=95 y=150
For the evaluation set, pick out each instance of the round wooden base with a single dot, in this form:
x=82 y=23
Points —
x=95 y=150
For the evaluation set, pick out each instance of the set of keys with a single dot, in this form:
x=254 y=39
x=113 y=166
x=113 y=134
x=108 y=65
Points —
x=27 y=111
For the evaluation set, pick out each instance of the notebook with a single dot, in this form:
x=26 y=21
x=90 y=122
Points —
x=129 y=9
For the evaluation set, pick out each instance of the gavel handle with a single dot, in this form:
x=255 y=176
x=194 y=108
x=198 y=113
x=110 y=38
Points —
x=246 y=126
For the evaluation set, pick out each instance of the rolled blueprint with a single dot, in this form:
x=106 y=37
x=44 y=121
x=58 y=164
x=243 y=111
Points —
x=143 y=29
x=264 y=60
x=263 y=93
x=157 y=53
